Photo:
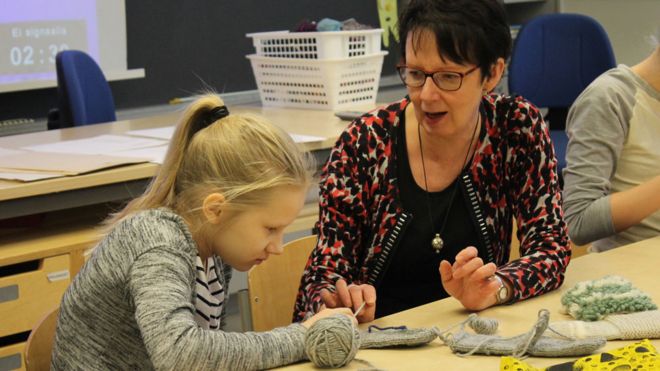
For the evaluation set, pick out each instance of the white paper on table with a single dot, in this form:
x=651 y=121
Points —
x=7 y=151
x=300 y=138
x=28 y=177
x=160 y=133
x=153 y=154
x=100 y=145
x=62 y=163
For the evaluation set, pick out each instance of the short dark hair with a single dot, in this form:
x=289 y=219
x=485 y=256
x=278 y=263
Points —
x=472 y=31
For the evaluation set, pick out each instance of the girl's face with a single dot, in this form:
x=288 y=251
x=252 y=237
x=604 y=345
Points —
x=246 y=238
x=440 y=112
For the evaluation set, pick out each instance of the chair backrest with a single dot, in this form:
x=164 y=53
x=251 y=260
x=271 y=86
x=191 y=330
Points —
x=556 y=56
x=40 y=343
x=273 y=285
x=84 y=95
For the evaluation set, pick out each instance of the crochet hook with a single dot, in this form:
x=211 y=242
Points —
x=359 y=309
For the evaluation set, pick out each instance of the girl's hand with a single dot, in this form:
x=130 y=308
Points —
x=352 y=296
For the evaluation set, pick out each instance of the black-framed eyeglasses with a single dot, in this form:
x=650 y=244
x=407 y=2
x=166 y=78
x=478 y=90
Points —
x=444 y=80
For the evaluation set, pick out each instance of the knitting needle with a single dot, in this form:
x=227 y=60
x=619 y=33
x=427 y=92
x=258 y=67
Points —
x=359 y=309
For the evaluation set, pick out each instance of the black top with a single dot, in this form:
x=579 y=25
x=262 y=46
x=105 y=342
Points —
x=413 y=276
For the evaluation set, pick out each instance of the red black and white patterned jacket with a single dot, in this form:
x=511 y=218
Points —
x=512 y=175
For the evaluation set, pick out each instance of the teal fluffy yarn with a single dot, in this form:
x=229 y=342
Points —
x=593 y=300
x=332 y=341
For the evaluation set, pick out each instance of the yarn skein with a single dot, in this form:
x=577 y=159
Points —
x=481 y=325
x=332 y=341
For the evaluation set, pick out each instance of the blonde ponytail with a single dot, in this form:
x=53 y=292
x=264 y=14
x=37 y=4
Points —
x=241 y=156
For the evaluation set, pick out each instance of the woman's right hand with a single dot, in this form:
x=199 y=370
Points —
x=327 y=313
x=469 y=280
x=352 y=296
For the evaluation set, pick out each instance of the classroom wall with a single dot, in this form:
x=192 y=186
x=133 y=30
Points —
x=628 y=24
x=186 y=46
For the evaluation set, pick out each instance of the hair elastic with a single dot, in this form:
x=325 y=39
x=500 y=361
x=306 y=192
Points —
x=215 y=114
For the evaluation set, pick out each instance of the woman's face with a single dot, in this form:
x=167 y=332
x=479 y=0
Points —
x=246 y=238
x=439 y=112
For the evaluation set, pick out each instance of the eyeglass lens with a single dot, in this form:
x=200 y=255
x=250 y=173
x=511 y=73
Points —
x=444 y=80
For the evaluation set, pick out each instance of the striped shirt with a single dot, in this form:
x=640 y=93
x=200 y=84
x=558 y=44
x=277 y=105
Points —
x=209 y=295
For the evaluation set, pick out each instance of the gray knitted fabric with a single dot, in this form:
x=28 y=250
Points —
x=397 y=337
x=131 y=308
x=531 y=343
x=392 y=337
x=631 y=326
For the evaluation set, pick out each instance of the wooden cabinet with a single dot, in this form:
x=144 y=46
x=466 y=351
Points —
x=26 y=296
x=35 y=270
x=12 y=356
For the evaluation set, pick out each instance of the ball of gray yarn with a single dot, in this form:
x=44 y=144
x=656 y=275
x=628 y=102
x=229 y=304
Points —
x=332 y=341
x=481 y=325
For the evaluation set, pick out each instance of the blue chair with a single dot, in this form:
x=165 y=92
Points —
x=554 y=58
x=84 y=95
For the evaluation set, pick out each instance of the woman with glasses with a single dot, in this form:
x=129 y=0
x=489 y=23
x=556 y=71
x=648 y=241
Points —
x=418 y=198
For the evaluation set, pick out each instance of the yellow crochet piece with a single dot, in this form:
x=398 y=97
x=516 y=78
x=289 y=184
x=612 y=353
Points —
x=637 y=356
x=513 y=364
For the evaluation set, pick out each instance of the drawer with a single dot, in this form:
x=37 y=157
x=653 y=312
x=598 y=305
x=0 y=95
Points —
x=26 y=297
x=12 y=358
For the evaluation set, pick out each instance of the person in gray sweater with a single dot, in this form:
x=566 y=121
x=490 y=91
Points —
x=152 y=294
x=612 y=177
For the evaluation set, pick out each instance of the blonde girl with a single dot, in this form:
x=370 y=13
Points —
x=152 y=294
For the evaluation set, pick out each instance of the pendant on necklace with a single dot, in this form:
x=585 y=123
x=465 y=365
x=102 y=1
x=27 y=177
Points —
x=437 y=243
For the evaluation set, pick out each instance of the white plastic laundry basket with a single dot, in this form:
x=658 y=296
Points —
x=317 y=45
x=331 y=84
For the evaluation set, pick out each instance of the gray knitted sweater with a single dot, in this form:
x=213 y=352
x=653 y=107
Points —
x=613 y=129
x=131 y=308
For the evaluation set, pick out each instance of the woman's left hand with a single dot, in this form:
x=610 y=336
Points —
x=469 y=280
